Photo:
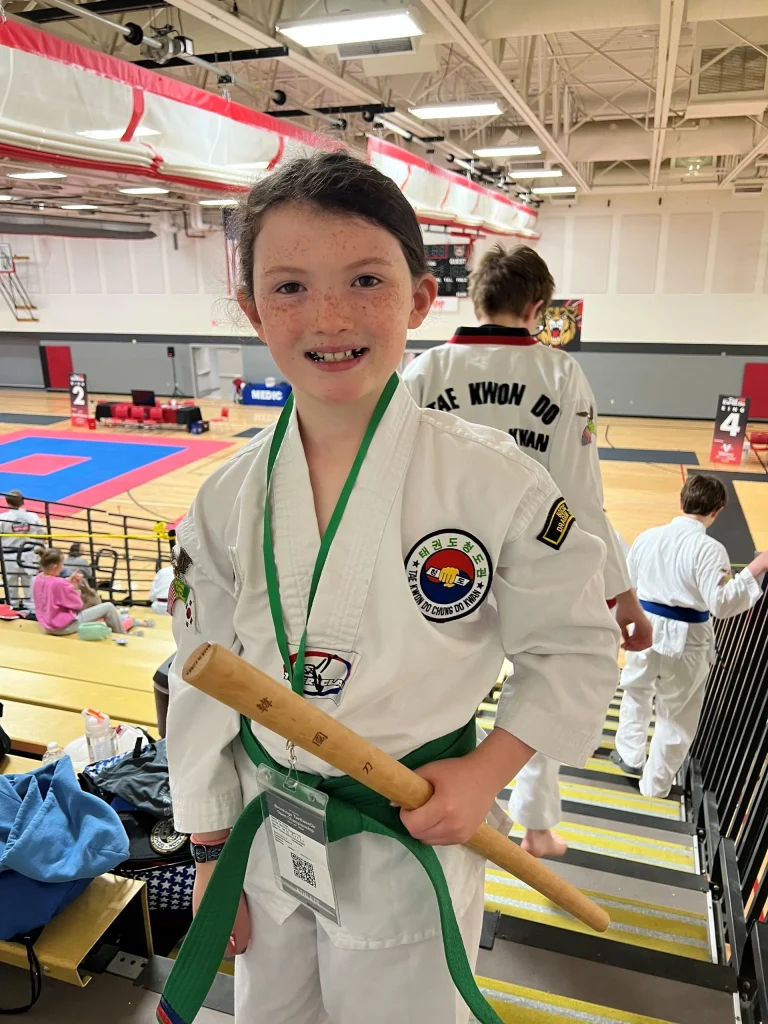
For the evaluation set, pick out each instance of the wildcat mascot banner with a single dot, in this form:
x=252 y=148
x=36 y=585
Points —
x=562 y=324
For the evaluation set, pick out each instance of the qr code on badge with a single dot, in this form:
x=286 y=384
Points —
x=303 y=870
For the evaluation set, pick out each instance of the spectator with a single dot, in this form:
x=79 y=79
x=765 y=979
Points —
x=20 y=522
x=77 y=562
x=158 y=593
x=58 y=603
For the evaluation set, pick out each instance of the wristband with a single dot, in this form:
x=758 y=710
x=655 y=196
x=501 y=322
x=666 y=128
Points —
x=205 y=853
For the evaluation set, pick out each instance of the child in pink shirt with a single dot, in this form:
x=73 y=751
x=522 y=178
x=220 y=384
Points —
x=58 y=604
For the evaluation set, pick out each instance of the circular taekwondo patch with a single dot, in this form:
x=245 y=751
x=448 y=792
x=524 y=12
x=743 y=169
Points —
x=449 y=574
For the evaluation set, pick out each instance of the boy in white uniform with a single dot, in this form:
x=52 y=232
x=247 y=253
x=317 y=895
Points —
x=501 y=376
x=20 y=522
x=683 y=577
x=427 y=585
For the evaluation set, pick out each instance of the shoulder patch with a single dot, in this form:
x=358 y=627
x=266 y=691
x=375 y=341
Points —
x=449 y=574
x=559 y=521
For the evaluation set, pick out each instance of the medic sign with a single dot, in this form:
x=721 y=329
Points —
x=730 y=430
x=78 y=400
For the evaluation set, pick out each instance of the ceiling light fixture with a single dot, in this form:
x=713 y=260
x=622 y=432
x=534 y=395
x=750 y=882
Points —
x=352 y=28
x=145 y=190
x=554 y=190
x=107 y=134
x=78 y=206
x=6 y=199
x=508 y=151
x=218 y=202
x=534 y=172
x=395 y=128
x=440 y=111
x=36 y=175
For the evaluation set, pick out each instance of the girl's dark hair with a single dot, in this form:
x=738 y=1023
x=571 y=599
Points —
x=50 y=557
x=76 y=550
x=509 y=281
x=337 y=183
x=702 y=495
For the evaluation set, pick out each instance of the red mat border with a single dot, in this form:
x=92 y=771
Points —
x=92 y=496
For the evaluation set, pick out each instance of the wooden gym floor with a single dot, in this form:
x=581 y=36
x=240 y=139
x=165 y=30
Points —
x=638 y=494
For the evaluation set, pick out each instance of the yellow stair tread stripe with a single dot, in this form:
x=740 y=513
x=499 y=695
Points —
x=518 y=1005
x=621 y=800
x=661 y=853
x=681 y=933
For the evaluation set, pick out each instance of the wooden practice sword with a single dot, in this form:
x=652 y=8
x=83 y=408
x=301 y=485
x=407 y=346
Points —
x=233 y=681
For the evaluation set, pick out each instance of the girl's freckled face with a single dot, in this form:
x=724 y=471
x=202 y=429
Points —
x=333 y=300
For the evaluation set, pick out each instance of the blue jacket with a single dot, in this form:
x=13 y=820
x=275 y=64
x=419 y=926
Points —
x=53 y=840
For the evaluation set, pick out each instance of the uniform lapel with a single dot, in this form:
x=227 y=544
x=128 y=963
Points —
x=346 y=580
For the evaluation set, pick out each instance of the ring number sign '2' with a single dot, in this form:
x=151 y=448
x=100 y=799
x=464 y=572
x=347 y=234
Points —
x=78 y=400
x=730 y=430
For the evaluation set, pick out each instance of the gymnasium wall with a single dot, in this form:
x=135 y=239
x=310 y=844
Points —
x=674 y=287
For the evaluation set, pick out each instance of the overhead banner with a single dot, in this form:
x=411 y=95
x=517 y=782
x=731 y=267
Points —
x=730 y=430
x=78 y=400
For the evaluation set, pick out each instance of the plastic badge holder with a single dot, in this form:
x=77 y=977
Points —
x=93 y=631
x=295 y=819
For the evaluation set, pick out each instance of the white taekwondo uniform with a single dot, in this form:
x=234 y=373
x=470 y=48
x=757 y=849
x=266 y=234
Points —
x=677 y=565
x=21 y=523
x=503 y=377
x=396 y=657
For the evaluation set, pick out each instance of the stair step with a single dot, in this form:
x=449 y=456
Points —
x=625 y=845
x=648 y=925
x=618 y=800
x=518 y=1005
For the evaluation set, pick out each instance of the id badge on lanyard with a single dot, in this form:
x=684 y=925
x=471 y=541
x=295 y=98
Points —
x=294 y=813
x=298 y=840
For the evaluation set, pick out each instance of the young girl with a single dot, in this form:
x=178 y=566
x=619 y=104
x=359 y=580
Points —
x=58 y=602
x=447 y=549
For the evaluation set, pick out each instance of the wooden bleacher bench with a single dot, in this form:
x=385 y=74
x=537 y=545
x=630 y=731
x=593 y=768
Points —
x=32 y=728
x=122 y=705
x=150 y=644
x=130 y=667
x=68 y=939
x=13 y=764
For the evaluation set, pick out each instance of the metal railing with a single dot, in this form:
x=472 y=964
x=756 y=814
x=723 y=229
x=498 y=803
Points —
x=729 y=785
x=124 y=551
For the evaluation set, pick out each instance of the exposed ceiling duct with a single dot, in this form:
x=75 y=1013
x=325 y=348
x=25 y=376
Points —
x=71 y=227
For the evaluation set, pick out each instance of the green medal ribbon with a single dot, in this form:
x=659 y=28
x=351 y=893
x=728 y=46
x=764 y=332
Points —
x=352 y=808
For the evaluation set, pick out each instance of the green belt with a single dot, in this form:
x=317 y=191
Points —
x=352 y=808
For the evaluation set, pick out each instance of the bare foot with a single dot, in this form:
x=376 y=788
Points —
x=544 y=843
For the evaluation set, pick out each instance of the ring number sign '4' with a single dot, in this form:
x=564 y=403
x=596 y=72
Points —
x=730 y=430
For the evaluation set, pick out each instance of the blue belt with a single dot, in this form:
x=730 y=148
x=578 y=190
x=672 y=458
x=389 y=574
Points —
x=668 y=611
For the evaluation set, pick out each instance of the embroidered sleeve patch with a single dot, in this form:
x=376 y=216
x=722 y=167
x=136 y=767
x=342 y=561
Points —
x=559 y=521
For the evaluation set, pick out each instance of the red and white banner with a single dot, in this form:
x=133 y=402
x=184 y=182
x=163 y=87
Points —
x=54 y=90
x=445 y=198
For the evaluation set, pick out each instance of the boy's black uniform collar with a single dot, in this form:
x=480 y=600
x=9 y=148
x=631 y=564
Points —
x=493 y=334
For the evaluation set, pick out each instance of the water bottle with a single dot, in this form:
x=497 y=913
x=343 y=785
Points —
x=100 y=736
x=53 y=752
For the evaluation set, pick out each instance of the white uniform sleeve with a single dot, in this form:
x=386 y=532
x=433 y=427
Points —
x=560 y=637
x=724 y=596
x=415 y=378
x=205 y=787
x=575 y=468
